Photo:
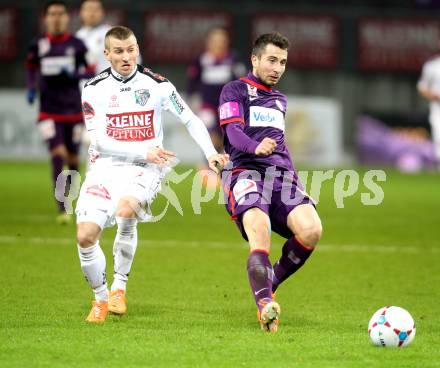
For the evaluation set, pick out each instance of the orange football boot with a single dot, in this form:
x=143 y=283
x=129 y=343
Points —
x=269 y=316
x=117 y=302
x=98 y=312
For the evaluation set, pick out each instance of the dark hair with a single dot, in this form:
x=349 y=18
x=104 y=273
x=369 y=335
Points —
x=97 y=1
x=273 y=38
x=118 y=32
x=50 y=3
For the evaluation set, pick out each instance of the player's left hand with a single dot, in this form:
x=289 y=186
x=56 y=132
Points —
x=159 y=156
x=217 y=162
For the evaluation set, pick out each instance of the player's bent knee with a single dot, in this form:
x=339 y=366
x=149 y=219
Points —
x=310 y=235
x=87 y=235
x=126 y=208
x=257 y=226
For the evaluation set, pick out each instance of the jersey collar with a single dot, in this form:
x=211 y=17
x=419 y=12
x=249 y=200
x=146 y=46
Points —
x=256 y=82
x=122 y=78
x=58 y=38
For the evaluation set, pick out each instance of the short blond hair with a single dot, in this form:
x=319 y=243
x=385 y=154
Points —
x=118 y=32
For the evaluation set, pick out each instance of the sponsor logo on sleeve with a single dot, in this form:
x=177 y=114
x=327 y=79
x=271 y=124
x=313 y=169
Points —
x=177 y=103
x=131 y=126
x=229 y=110
x=154 y=75
x=142 y=96
x=98 y=77
x=88 y=111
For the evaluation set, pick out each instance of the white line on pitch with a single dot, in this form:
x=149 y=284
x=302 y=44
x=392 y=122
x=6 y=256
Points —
x=352 y=248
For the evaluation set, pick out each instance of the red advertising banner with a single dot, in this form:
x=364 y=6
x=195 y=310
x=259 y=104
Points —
x=179 y=36
x=400 y=45
x=314 y=39
x=8 y=33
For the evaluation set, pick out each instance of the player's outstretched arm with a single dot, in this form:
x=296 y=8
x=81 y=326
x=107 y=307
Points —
x=196 y=128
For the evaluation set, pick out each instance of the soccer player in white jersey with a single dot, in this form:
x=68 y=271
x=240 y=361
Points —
x=429 y=88
x=92 y=33
x=122 y=109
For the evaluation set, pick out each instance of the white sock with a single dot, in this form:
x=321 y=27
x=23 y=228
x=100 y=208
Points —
x=124 y=249
x=92 y=262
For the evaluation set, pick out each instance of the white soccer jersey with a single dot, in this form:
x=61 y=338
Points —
x=93 y=37
x=123 y=115
x=430 y=80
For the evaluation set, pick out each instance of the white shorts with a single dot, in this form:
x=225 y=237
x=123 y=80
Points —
x=104 y=187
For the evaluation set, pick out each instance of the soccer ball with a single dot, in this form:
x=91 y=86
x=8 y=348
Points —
x=391 y=327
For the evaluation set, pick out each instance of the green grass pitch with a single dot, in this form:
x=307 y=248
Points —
x=189 y=300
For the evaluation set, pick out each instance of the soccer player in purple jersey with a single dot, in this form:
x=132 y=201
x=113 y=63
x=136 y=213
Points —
x=263 y=189
x=55 y=64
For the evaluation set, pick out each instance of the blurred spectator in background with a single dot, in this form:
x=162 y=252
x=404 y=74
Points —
x=56 y=61
x=429 y=88
x=92 y=33
x=207 y=75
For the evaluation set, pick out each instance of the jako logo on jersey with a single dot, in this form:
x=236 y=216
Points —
x=88 y=111
x=142 y=96
x=131 y=126
x=176 y=102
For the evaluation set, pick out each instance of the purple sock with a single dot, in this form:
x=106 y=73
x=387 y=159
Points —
x=293 y=256
x=260 y=276
x=57 y=167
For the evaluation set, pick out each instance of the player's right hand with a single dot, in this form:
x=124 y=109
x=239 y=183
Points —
x=266 y=147
x=30 y=96
x=159 y=156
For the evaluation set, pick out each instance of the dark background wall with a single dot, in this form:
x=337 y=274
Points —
x=357 y=90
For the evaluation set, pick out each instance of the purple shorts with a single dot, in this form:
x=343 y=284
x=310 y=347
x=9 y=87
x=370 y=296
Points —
x=276 y=196
x=61 y=133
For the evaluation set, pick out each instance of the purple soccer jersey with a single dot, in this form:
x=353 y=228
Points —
x=59 y=63
x=250 y=111
x=208 y=75
x=260 y=110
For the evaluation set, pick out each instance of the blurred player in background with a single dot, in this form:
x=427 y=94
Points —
x=122 y=109
x=55 y=64
x=429 y=87
x=207 y=75
x=93 y=32
x=252 y=116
